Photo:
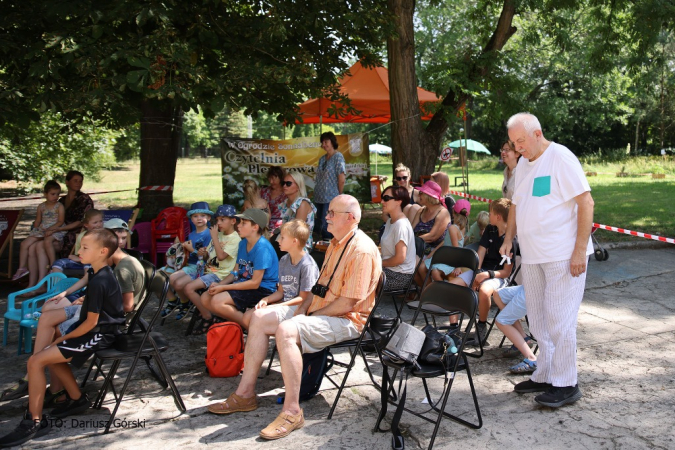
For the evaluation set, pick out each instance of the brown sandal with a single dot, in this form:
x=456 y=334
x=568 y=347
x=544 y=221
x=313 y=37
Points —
x=233 y=404
x=283 y=425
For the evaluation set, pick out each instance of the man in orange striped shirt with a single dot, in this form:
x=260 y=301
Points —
x=349 y=275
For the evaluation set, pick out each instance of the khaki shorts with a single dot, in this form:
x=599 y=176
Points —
x=318 y=332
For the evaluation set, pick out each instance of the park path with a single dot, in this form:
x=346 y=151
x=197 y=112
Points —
x=626 y=365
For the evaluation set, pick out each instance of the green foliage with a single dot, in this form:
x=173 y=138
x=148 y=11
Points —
x=127 y=143
x=49 y=148
x=103 y=59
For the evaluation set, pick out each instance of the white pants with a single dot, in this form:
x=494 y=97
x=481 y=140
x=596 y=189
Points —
x=553 y=297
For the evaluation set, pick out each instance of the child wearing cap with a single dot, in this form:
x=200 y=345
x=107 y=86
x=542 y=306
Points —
x=196 y=246
x=255 y=276
x=222 y=253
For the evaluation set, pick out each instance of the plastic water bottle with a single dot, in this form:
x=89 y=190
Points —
x=36 y=315
x=235 y=274
x=200 y=266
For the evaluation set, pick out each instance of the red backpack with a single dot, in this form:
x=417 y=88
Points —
x=224 y=350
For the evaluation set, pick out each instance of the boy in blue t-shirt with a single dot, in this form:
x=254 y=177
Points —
x=255 y=276
x=196 y=246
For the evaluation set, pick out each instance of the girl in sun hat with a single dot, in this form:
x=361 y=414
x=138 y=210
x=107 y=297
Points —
x=431 y=221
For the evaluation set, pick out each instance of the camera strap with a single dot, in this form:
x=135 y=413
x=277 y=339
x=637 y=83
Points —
x=338 y=261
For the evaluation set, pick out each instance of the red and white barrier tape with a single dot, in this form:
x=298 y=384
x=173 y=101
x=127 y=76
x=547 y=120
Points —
x=156 y=188
x=596 y=225
x=40 y=197
x=635 y=233
x=475 y=197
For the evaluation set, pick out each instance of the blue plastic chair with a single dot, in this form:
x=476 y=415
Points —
x=14 y=313
x=28 y=309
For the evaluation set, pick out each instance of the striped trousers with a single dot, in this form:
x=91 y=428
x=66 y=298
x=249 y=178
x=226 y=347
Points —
x=553 y=297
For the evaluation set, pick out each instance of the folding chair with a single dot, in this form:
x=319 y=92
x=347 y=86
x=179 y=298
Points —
x=135 y=346
x=357 y=345
x=448 y=297
x=419 y=251
x=136 y=325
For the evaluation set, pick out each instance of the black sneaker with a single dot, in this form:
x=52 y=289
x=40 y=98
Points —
x=71 y=407
x=556 y=397
x=28 y=429
x=51 y=398
x=12 y=394
x=527 y=386
x=481 y=332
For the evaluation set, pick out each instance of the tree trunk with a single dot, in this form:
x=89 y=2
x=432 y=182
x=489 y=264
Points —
x=161 y=127
x=412 y=144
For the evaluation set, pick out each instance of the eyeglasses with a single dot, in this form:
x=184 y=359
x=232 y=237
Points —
x=287 y=183
x=401 y=178
x=332 y=213
x=386 y=198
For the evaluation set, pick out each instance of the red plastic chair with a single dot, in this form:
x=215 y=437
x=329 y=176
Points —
x=169 y=224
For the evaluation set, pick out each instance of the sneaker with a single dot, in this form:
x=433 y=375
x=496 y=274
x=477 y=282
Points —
x=513 y=352
x=170 y=306
x=71 y=407
x=183 y=310
x=481 y=330
x=13 y=393
x=50 y=400
x=527 y=386
x=28 y=429
x=556 y=397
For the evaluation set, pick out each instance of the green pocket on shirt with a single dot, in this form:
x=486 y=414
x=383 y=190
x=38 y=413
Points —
x=541 y=187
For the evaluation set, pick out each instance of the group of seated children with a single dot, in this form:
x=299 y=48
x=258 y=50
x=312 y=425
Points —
x=71 y=332
x=241 y=271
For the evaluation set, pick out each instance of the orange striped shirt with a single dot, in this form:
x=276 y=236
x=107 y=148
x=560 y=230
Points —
x=355 y=278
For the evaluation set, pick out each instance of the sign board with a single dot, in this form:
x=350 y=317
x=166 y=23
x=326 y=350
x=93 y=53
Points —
x=244 y=159
x=446 y=154
x=9 y=219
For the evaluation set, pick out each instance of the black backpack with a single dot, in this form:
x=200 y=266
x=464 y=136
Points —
x=314 y=368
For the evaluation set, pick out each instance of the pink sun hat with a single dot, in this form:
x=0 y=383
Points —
x=432 y=189
x=462 y=204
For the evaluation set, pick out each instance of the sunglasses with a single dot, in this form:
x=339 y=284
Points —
x=386 y=198
x=401 y=178
x=287 y=183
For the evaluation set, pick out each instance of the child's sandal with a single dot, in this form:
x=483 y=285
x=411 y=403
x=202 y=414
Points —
x=203 y=326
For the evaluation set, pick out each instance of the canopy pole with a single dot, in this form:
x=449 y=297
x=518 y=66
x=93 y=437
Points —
x=466 y=146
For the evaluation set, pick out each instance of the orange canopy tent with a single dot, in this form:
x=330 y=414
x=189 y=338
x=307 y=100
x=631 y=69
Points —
x=368 y=90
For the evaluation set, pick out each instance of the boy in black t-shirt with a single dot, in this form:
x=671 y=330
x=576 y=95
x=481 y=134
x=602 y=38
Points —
x=101 y=314
x=491 y=275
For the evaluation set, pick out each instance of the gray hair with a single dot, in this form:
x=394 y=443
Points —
x=351 y=206
x=527 y=120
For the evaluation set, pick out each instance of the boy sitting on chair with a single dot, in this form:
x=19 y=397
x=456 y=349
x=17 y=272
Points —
x=102 y=313
x=511 y=302
x=196 y=246
x=492 y=274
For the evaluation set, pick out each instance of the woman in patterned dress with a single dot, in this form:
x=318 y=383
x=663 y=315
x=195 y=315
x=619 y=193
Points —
x=297 y=205
x=329 y=181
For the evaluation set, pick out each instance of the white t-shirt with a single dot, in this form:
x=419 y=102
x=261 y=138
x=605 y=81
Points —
x=401 y=230
x=546 y=213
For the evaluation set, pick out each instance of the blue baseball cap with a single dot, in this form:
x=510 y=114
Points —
x=226 y=211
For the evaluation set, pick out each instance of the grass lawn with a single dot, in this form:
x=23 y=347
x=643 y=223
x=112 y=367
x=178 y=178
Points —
x=637 y=203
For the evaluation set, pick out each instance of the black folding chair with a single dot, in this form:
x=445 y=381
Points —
x=419 y=251
x=357 y=345
x=136 y=346
x=455 y=257
x=136 y=325
x=448 y=297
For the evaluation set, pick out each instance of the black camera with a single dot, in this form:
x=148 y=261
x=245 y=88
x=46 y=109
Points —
x=320 y=290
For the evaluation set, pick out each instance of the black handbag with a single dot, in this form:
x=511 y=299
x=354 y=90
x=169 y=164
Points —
x=438 y=348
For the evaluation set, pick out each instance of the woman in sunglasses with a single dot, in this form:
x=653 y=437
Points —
x=297 y=205
x=402 y=178
x=398 y=241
